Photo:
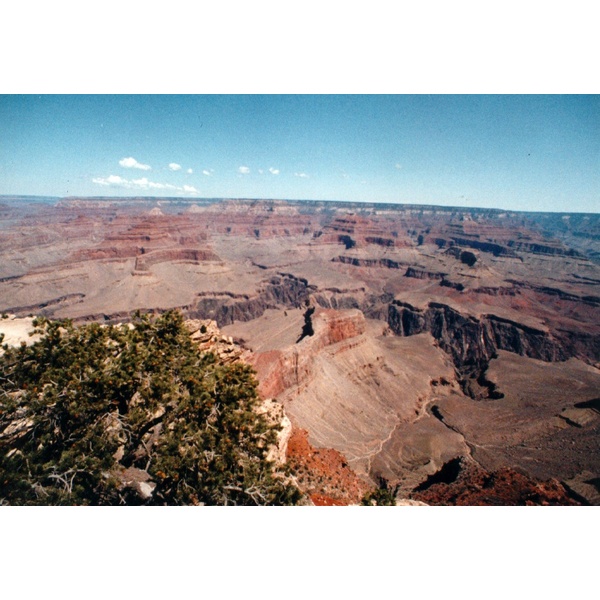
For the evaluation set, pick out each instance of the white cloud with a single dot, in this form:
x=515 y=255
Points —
x=174 y=167
x=398 y=166
x=190 y=171
x=190 y=189
x=143 y=182
x=131 y=163
x=139 y=184
x=301 y=175
x=110 y=180
x=207 y=172
x=244 y=170
x=273 y=171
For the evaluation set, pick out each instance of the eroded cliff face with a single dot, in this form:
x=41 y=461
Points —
x=291 y=369
x=473 y=342
x=464 y=338
x=282 y=289
x=144 y=261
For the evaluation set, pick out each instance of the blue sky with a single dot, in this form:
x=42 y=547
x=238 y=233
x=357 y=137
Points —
x=527 y=152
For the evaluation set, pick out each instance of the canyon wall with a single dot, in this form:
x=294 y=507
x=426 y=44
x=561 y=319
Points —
x=292 y=369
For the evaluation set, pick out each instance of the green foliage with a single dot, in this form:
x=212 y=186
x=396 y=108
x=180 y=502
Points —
x=381 y=496
x=86 y=410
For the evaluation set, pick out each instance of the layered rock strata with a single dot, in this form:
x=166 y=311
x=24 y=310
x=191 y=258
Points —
x=292 y=368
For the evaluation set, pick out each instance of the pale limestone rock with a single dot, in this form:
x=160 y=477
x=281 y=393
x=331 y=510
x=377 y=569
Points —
x=144 y=489
x=17 y=330
x=407 y=502
x=275 y=413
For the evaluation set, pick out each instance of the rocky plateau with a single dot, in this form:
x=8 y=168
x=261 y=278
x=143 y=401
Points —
x=451 y=353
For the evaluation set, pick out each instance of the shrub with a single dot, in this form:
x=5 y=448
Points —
x=383 y=495
x=129 y=415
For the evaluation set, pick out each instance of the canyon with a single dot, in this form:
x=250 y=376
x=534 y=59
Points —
x=451 y=353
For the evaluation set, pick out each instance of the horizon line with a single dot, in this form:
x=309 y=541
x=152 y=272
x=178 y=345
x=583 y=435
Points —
x=188 y=199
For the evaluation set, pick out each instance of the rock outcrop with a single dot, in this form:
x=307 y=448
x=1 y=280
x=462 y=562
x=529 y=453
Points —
x=283 y=289
x=323 y=473
x=208 y=338
x=15 y=331
x=461 y=482
x=385 y=263
x=280 y=371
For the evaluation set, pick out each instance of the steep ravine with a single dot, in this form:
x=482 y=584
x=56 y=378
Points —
x=473 y=342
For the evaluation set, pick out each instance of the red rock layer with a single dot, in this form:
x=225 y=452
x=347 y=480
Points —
x=353 y=230
x=323 y=473
x=505 y=487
